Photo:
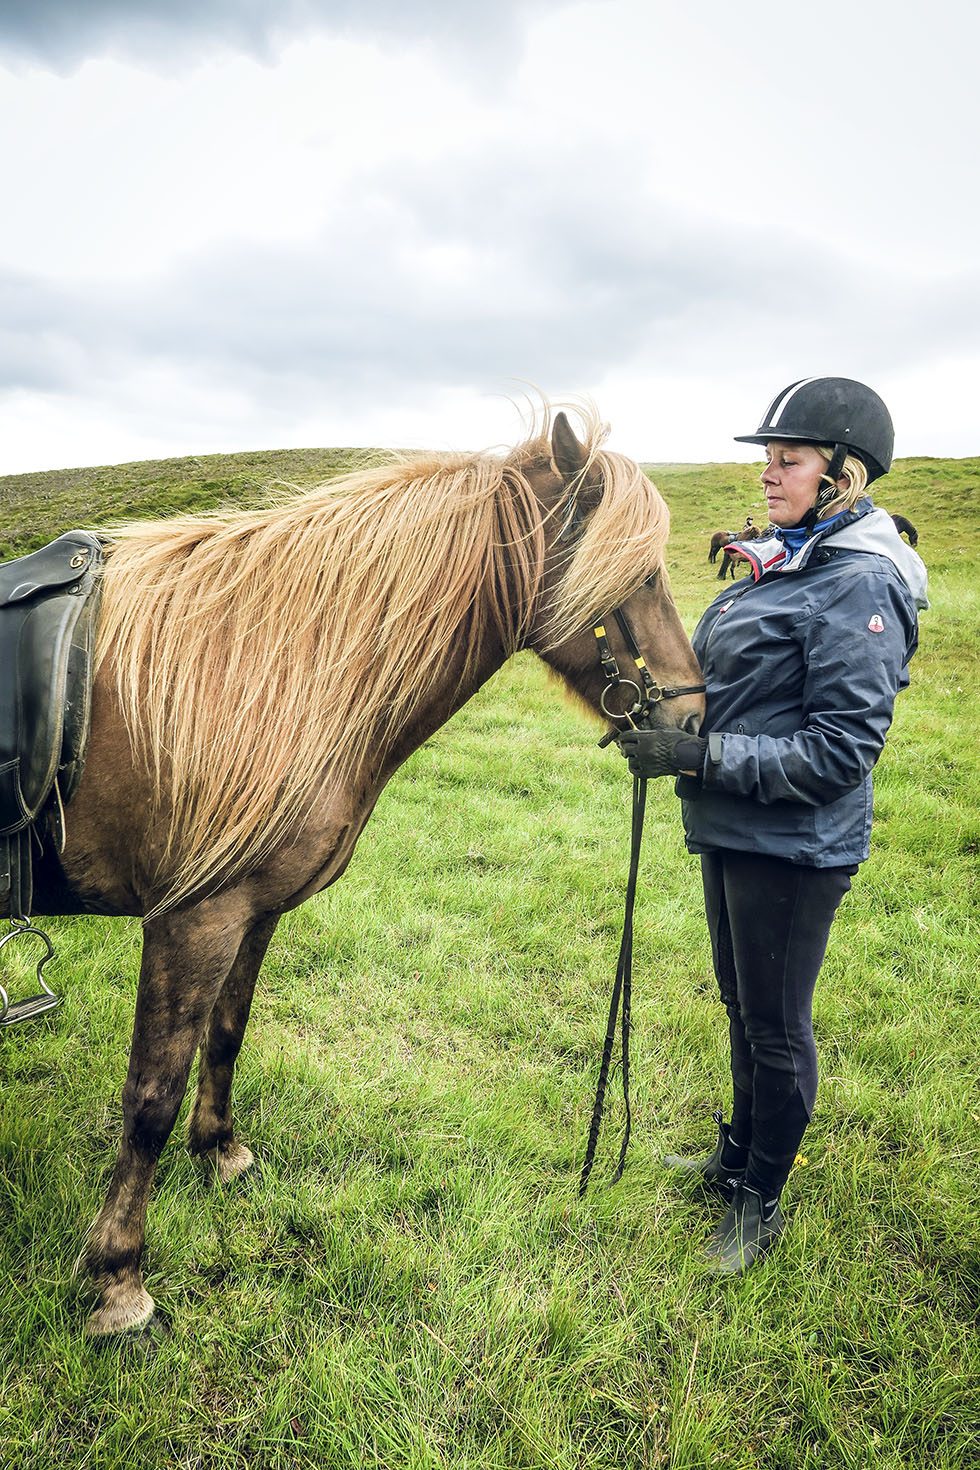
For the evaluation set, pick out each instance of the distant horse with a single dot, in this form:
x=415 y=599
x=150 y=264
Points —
x=906 y=526
x=718 y=539
x=749 y=532
x=261 y=674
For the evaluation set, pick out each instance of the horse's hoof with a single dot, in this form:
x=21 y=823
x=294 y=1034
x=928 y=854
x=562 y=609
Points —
x=124 y=1315
x=138 y=1342
x=229 y=1160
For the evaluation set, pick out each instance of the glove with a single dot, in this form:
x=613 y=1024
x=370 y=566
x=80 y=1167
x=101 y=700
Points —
x=663 y=752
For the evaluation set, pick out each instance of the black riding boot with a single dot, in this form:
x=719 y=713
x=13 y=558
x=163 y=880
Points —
x=747 y=1231
x=721 y=1171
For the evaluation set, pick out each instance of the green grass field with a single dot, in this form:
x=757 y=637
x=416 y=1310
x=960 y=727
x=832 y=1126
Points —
x=408 y=1279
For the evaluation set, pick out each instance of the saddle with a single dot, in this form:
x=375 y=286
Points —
x=48 y=606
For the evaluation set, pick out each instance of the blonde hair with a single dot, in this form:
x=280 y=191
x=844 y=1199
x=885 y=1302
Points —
x=854 y=471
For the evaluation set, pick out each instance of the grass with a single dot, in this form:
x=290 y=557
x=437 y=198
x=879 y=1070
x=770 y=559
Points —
x=408 y=1278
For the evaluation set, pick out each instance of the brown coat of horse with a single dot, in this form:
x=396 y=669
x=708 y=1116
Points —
x=718 y=539
x=574 y=531
x=749 y=532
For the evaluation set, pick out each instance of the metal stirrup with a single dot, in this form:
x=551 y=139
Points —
x=45 y=999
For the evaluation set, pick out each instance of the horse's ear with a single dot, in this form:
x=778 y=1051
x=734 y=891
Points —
x=569 y=455
x=572 y=461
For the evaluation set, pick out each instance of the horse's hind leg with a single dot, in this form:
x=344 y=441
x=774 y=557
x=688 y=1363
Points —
x=209 y=1131
x=186 y=957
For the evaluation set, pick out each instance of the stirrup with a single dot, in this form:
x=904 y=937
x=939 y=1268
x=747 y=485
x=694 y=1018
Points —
x=33 y=1005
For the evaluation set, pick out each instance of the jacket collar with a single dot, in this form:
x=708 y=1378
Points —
x=773 y=554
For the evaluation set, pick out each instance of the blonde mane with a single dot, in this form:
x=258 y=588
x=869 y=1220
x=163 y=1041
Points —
x=253 y=649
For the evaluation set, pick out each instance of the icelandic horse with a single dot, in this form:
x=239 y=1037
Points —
x=261 y=674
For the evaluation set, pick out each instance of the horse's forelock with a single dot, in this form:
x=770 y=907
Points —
x=621 y=544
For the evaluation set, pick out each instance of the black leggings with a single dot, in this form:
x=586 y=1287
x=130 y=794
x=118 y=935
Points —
x=769 y=921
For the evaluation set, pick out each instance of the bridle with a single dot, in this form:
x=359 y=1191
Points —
x=648 y=693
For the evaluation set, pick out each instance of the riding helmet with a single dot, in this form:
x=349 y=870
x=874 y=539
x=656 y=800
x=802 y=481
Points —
x=836 y=411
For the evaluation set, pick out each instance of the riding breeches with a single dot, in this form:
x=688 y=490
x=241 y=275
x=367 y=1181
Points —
x=769 y=921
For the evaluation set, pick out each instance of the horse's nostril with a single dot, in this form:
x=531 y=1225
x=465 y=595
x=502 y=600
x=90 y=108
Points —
x=692 y=724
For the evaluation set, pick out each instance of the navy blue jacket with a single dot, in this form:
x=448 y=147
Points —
x=802 y=662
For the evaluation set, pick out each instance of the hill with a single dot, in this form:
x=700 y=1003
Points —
x=941 y=496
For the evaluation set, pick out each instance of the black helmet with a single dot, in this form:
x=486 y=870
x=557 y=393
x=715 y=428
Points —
x=835 y=411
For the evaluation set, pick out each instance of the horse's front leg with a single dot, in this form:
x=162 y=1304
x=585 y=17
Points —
x=186 y=957
x=209 y=1131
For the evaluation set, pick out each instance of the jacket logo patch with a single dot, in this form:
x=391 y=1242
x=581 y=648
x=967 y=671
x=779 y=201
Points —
x=876 y=624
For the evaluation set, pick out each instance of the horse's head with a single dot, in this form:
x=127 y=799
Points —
x=605 y=533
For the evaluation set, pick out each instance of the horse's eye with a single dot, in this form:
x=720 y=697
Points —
x=651 y=581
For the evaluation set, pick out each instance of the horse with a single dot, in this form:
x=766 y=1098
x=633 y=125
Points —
x=902 y=524
x=718 y=539
x=260 y=674
x=749 y=532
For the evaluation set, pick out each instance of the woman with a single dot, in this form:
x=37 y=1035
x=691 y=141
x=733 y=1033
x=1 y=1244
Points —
x=802 y=661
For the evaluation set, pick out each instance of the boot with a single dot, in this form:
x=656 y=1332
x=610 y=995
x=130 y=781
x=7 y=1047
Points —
x=721 y=1171
x=747 y=1231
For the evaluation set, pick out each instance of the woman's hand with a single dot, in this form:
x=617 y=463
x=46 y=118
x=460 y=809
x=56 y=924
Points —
x=663 y=752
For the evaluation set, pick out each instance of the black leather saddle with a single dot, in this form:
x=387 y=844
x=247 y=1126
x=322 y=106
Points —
x=48 y=606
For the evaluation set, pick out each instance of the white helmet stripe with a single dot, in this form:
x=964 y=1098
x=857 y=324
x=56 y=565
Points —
x=779 y=407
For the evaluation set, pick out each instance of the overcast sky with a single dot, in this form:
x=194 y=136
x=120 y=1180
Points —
x=234 y=224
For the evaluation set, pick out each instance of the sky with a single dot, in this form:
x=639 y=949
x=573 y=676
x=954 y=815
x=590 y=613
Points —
x=258 y=224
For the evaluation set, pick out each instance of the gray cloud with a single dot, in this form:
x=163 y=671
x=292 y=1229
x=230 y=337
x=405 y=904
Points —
x=474 y=276
x=168 y=35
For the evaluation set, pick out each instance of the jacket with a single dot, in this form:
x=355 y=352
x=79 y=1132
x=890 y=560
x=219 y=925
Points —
x=802 y=661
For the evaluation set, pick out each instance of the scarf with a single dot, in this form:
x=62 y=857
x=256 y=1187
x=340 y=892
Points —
x=794 y=538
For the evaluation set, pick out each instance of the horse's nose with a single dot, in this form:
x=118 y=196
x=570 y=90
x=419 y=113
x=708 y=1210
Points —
x=693 y=723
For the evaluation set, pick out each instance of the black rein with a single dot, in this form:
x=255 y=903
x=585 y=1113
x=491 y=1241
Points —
x=650 y=694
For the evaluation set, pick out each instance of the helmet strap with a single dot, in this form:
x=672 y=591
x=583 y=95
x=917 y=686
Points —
x=826 y=493
x=836 y=465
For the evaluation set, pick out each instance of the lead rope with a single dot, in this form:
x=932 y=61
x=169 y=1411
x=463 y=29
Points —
x=622 y=987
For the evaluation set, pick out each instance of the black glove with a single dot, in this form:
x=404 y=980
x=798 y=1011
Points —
x=663 y=752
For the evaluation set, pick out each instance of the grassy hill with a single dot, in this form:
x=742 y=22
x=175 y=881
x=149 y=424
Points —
x=408 y=1278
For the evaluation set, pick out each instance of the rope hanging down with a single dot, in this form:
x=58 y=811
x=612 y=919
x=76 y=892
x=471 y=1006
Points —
x=622 y=988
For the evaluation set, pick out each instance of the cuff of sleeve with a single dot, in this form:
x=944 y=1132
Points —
x=714 y=755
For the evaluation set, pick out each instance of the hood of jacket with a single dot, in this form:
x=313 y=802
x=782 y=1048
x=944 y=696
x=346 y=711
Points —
x=866 y=528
